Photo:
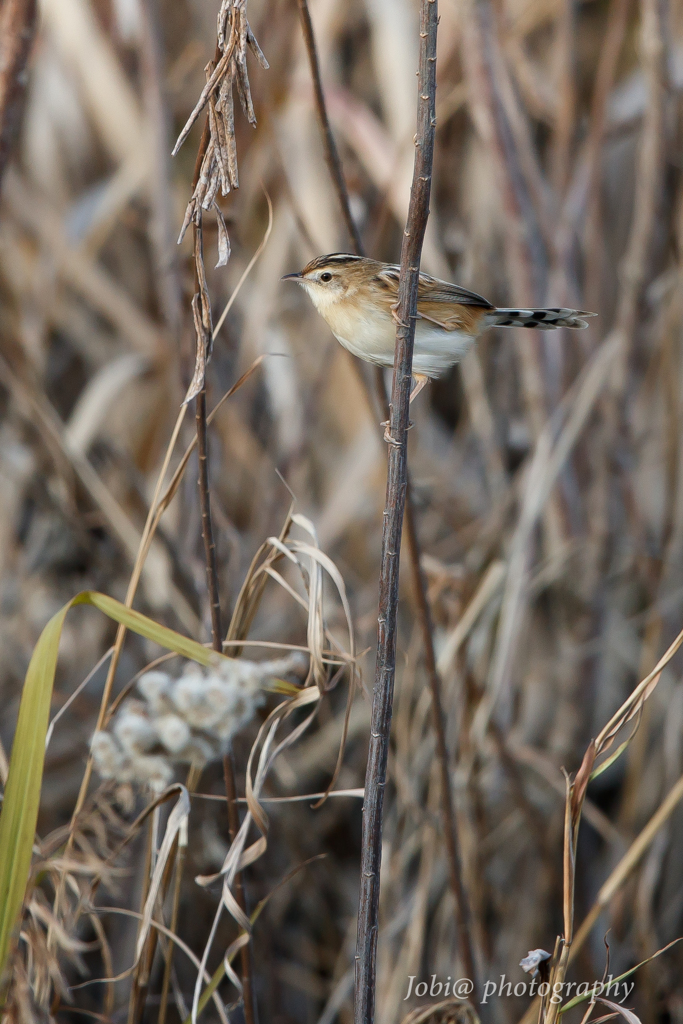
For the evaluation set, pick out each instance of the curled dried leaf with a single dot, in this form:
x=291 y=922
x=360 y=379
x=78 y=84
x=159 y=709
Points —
x=234 y=38
x=223 y=239
x=199 y=375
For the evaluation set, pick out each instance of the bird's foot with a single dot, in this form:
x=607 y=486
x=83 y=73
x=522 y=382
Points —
x=387 y=436
x=420 y=382
x=395 y=317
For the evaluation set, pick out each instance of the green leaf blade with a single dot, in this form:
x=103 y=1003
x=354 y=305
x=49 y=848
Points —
x=22 y=794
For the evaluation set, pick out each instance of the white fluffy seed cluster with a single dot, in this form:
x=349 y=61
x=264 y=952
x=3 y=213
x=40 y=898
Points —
x=189 y=719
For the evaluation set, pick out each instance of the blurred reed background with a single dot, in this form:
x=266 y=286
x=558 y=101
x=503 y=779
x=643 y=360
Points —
x=547 y=469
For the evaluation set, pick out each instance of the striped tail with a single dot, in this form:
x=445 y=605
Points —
x=543 y=319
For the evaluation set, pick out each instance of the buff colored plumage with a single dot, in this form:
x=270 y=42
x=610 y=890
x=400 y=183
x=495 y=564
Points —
x=357 y=298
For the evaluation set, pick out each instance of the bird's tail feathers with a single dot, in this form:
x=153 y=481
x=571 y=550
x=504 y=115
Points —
x=543 y=319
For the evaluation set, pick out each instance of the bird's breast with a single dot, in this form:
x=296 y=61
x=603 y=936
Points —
x=368 y=333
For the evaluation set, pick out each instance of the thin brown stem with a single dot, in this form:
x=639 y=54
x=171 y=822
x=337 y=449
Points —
x=207 y=527
x=462 y=906
x=449 y=821
x=215 y=606
x=17 y=30
x=331 y=152
x=138 y=992
x=397 y=482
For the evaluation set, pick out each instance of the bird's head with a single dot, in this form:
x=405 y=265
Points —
x=331 y=279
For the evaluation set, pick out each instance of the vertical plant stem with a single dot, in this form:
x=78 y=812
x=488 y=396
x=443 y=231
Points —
x=448 y=814
x=138 y=991
x=215 y=606
x=397 y=481
x=207 y=527
x=331 y=153
x=450 y=826
x=17 y=31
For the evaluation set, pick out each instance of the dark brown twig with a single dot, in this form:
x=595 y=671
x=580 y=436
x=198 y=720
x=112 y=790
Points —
x=213 y=588
x=17 y=29
x=450 y=825
x=448 y=813
x=331 y=153
x=397 y=482
x=207 y=528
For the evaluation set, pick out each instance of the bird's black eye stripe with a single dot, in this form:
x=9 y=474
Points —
x=326 y=276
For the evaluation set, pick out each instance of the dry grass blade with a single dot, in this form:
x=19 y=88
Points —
x=238 y=857
x=173 y=938
x=459 y=1011
x=176 y=824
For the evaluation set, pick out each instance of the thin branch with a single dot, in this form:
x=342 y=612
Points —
x=207 y=527
x=450 y=825
x=448 y=814
x=212 y=575
x=397 y=481
x=17 y=30
x=331 y=153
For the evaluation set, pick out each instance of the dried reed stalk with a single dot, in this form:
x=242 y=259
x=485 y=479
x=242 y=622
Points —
x=204 y=330
x=335 y=169
x=375 y=776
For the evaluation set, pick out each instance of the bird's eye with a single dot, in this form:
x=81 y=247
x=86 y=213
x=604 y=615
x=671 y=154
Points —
x=326 y=276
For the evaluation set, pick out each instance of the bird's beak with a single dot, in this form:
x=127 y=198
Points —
x=292 y=277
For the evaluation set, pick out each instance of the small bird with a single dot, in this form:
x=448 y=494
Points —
x=357 y=297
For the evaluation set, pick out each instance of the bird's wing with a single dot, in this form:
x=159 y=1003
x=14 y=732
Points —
x=440 y=301
x=431 y=290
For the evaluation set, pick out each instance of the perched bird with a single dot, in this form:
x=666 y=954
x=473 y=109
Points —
x=357 y=297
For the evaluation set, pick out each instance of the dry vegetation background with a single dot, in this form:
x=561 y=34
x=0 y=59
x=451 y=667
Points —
x=547 y=470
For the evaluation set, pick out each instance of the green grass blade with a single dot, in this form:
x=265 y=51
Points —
x=22 y=794
x=140 y=624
